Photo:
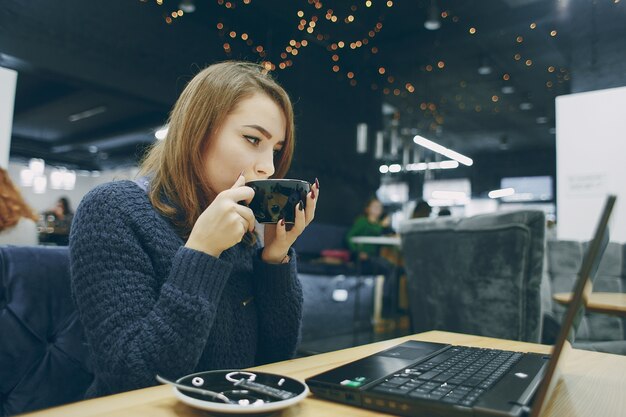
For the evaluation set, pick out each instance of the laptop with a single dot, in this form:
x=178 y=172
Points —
x=435 y=379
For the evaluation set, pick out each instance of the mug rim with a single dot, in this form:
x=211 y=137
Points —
x=280 y=180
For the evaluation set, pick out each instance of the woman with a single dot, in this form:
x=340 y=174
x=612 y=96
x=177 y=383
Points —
x=369 y=261
x=369 y=223
x=17 y=219
x=170 y=279
x=59 y=218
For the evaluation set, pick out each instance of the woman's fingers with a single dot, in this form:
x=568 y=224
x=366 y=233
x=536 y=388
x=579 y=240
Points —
x=311 y=202
x=241 y=180
x=247 y=215
x=304 y=216
x=240 y=193
x=281 y=230
x=299 y=219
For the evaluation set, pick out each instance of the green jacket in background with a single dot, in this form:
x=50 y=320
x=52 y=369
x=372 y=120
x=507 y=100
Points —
x=363 y=227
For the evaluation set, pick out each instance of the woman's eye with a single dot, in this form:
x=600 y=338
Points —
x=253 y=140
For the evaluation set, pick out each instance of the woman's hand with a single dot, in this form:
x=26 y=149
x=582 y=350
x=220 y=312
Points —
x=224 y=223
x=278 y=239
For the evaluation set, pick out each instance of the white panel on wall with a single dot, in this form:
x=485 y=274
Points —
x=8 y=80
x=591 y=147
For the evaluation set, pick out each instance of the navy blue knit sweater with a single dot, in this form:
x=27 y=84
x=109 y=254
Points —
x=151 y=306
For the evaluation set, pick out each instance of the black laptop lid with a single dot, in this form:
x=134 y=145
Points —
x=576 y=308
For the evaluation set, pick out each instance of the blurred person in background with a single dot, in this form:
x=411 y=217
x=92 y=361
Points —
x=422 y=210
x=62 y=212
x=17 y=219
x=374 y=222
x=444 y=211
x=57 y=222
x=63 y=208
x=371 y=223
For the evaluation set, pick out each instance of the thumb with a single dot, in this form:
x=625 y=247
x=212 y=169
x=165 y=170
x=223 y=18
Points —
x=241 y=180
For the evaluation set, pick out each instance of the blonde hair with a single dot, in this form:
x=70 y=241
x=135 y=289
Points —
x=12 y=204
x=178 y=186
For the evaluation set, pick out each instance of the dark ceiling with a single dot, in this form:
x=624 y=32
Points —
x=96 y=78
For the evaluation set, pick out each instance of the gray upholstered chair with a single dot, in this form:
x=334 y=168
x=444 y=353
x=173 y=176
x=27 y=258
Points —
x=480 y=275
x=600 y=332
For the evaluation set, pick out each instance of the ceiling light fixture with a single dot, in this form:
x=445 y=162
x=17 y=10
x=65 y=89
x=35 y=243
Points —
x=435 y=147
x=508 y=89
x=187 y=6
x=485 y=68
x=503 y=192
x=161 y=133
x=526 y=105
x=433 y=22
x=86 y=114
x=504 y=142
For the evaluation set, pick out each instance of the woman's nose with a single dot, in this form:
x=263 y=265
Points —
x=265 y=164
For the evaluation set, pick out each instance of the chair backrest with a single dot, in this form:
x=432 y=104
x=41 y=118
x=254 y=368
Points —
x=43 y=355
x=564 y=260
x=479 y=275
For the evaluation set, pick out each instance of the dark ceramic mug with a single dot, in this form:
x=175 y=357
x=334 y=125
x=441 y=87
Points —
x=276 y=199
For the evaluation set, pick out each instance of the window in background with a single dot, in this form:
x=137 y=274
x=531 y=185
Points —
x=393 y=193
x=528 y=189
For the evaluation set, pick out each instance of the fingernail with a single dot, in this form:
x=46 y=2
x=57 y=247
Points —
x=312 y=194
x=317 y=183
x=282 y=222
x=300 y=205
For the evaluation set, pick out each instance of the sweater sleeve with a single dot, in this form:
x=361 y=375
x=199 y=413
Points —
x=278 y=298
x=136 y=323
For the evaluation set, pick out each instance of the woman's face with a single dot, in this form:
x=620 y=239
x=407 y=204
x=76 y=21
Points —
x=247 y=141
x=375 y=209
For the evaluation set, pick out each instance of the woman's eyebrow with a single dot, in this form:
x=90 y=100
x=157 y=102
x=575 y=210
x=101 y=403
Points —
x=261 y=129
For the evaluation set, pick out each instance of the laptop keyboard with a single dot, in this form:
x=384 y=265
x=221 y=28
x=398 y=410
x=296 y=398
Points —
x=460 y=375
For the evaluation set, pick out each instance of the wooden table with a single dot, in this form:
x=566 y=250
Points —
x=599 y=302
x=593 y=384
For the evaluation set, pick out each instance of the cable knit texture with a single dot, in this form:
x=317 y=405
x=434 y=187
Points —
x=151 y=306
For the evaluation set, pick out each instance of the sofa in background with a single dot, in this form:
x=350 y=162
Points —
x=43 y=356
x=599 y=332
